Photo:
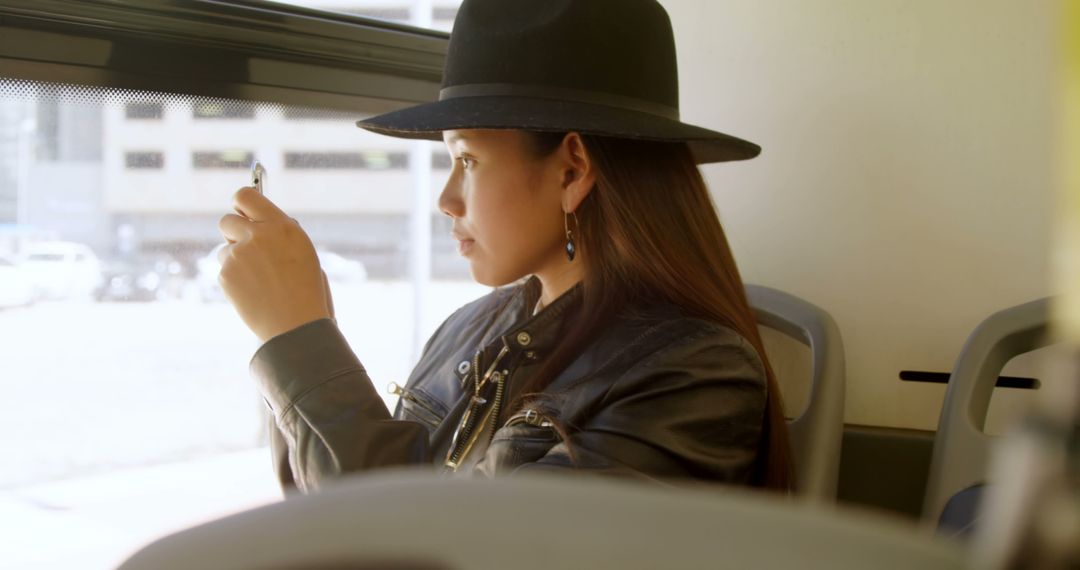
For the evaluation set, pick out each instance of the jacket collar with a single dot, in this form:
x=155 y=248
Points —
x=538 y=333
x=527 y=335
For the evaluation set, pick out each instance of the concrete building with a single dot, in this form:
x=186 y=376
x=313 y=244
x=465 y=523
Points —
x=51 y=182
x=173 y=164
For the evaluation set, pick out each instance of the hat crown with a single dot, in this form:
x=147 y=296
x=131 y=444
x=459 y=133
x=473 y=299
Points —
x=601 y=67
x=624 y=48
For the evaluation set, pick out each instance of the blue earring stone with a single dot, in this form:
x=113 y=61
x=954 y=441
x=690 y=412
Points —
x=570 y=249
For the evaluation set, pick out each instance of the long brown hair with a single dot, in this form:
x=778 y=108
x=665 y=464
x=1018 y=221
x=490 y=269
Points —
x=649 y=230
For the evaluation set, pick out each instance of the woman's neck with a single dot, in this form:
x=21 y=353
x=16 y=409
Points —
x=553 y=284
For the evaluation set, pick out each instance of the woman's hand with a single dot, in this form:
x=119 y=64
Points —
x=269 y=271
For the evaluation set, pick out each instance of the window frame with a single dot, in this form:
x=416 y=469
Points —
x=251 y=50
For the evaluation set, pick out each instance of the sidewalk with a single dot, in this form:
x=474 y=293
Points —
x=96 y=522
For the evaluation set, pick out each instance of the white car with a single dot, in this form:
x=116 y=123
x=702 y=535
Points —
x=338 y=270
x=62 y=269
x=16 y=287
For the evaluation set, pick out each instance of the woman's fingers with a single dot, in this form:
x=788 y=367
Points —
x=269 y=269
x=248 y=202
x=235 y=228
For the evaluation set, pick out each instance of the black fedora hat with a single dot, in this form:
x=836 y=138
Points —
x=603 y=67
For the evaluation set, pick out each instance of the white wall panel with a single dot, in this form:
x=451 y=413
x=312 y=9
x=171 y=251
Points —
x=906 y=182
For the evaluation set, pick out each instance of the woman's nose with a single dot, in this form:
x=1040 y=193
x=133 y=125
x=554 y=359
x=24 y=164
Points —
x=450 y=202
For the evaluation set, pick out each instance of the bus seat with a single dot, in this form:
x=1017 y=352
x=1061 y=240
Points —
x=421 y=520
x=816 y=434
x=961 y=447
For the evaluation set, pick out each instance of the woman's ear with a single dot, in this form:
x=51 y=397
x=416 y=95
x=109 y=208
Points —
x=579 y=175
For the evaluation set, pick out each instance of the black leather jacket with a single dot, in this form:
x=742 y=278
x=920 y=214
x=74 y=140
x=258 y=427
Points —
x=659 y=395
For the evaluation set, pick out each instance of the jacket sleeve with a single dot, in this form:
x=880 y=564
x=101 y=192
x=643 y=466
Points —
x=693 y=409
x=328 y=416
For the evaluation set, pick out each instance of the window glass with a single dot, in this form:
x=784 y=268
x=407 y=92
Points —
x=436 y=14
x=129 y=390
x=443 y=14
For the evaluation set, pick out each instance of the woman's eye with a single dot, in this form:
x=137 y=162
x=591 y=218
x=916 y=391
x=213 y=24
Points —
x=466 y=162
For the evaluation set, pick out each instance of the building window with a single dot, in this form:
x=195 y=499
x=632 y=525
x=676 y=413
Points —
x=313 y=114
x=223 y=159
x=366 y=160
x=144 y=110
x=144 y=160
x=446 y=14
x=222 y=110
x=400 y=14
x=440 y=161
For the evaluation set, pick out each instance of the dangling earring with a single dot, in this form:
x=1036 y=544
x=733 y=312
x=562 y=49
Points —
x=570 y=251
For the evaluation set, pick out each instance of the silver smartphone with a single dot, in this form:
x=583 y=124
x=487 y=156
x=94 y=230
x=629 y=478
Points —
x=258 y=176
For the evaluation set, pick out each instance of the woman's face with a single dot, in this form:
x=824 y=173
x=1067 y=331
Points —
x=506 y=205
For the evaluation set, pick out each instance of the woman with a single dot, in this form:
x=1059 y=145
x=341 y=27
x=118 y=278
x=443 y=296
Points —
x=619 y=339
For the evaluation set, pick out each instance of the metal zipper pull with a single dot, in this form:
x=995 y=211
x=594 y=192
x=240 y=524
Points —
x=529 y=416
x=491 y=369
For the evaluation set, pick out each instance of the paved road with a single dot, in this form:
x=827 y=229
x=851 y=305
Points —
x=95 y=522
x=113 y=413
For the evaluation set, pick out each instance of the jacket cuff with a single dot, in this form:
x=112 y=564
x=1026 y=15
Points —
x=291 y=364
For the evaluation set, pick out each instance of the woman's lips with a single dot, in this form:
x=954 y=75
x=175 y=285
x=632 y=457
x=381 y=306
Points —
x=464 y=243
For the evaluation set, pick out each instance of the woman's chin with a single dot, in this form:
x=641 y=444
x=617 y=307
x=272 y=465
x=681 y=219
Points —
x=488 y=278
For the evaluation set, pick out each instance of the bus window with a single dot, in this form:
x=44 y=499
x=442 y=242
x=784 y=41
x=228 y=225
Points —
x=126 y=369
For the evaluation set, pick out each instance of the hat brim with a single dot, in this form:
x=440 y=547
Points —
x=429 y=120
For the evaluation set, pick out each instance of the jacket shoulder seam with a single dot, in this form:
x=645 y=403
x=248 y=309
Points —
x=705 y=328
x=671 y=327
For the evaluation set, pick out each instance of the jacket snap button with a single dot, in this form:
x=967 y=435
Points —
x=394 y=389
x=524 y=338
x=463 y=367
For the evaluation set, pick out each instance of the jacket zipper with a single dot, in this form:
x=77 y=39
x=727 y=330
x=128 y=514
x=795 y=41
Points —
x=499 y=390
x=470 y=440
x=460 y=444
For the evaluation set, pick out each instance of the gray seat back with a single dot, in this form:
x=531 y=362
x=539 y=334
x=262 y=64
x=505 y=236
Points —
x=961 y=445
x=400 y=520
x=817 y=433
